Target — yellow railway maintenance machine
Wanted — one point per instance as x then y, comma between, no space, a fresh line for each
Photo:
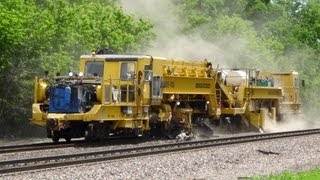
131,95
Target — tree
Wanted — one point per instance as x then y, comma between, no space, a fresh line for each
41,35
308,18
278,35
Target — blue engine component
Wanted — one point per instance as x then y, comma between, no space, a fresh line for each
65,99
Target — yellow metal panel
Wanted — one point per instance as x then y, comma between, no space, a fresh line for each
99,112
188,85
178,68
74,117
40,86
112,70
233,111
91,114
264,93
254,119
227,91
126,124
288,81
259,119
37,115
39,122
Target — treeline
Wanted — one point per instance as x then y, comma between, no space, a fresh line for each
279,35
40,35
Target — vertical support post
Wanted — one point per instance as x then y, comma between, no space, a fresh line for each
273,114
262,118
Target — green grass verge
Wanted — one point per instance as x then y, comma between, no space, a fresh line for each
308,175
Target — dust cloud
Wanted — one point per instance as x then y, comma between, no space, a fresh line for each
291,123
171,43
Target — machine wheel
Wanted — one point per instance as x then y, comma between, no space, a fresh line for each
67,135
169,131
55,137
89,134
68,139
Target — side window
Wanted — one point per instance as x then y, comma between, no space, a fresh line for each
156,87
94,68
147,73
127,71
127,93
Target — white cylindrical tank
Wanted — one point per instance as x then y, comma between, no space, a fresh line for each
235,78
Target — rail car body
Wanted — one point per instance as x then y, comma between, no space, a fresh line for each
139,94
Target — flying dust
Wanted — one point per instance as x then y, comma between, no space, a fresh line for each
291,123
171,43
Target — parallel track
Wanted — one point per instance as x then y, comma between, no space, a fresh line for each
81,158
35,147
74,143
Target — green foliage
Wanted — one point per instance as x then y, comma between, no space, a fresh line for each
39,35
279,35
310,175
199,12
308,19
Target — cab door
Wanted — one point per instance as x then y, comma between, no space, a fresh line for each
128,82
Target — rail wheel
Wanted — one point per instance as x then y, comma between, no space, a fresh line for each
55,136
89,133
68,139
170,130
66,134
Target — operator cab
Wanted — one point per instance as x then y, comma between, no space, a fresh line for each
118,75
93,68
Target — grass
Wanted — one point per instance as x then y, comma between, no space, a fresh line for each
308,175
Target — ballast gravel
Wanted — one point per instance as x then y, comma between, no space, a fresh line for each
79,149
223,162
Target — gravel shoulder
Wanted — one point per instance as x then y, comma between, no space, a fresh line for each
224,162
17,141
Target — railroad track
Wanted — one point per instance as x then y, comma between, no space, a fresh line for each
75,143
35,147
18,165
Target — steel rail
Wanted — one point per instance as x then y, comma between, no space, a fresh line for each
36,146
51,145
81,158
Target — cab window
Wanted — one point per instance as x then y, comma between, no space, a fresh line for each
127,71
94,68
